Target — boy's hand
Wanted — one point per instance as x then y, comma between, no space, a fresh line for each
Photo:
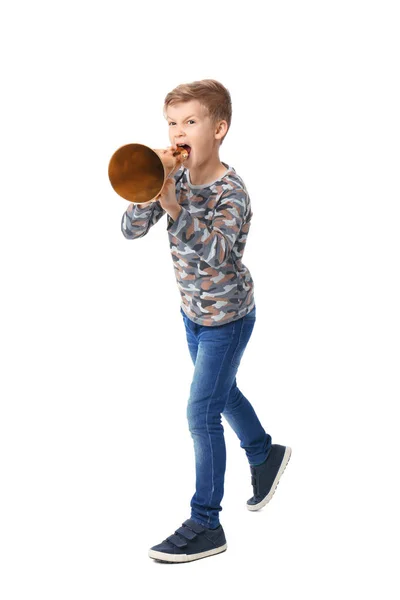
167,198
173,163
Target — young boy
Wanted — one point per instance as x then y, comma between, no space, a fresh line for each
208,220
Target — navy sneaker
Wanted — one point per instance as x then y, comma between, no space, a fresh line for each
265,477
190,542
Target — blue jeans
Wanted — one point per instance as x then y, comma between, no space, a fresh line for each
216,353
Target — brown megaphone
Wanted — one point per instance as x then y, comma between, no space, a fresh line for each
138,173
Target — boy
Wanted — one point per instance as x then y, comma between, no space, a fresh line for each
208,220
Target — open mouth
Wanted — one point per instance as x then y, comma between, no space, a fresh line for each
187,148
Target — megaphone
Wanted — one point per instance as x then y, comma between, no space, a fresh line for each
138,173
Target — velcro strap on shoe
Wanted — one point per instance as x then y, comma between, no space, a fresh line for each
254,483
194,526
186,533
177,541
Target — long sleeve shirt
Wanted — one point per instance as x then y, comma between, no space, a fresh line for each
207,242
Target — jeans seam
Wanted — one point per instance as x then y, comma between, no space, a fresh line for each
238,344
209,437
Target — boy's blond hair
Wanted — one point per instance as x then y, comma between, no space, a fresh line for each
211,94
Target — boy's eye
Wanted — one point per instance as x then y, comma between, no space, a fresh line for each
190,121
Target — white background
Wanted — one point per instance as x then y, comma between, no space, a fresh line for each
97,462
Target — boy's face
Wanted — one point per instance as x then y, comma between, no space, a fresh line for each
189,123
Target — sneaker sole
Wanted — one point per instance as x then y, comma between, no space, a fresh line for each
264,501
181,558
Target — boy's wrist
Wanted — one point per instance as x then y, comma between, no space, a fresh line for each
175,212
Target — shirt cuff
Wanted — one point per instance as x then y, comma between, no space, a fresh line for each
141,208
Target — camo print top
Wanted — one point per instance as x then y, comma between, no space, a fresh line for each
207,243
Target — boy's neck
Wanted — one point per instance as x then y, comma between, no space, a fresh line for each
207,173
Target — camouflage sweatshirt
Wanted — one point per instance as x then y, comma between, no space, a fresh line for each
207,243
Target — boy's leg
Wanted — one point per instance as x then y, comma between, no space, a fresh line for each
216,353
241,416
238,411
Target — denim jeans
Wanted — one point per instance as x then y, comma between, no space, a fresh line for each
216,353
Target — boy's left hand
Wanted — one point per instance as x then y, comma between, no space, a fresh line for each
167,198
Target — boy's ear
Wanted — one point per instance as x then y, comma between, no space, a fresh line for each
221,128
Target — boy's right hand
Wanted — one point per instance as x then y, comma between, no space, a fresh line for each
178,163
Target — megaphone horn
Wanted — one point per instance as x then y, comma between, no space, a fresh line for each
138,173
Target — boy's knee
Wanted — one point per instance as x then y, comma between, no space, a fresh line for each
202,419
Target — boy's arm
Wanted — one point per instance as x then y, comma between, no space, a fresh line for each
214,244
138,218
